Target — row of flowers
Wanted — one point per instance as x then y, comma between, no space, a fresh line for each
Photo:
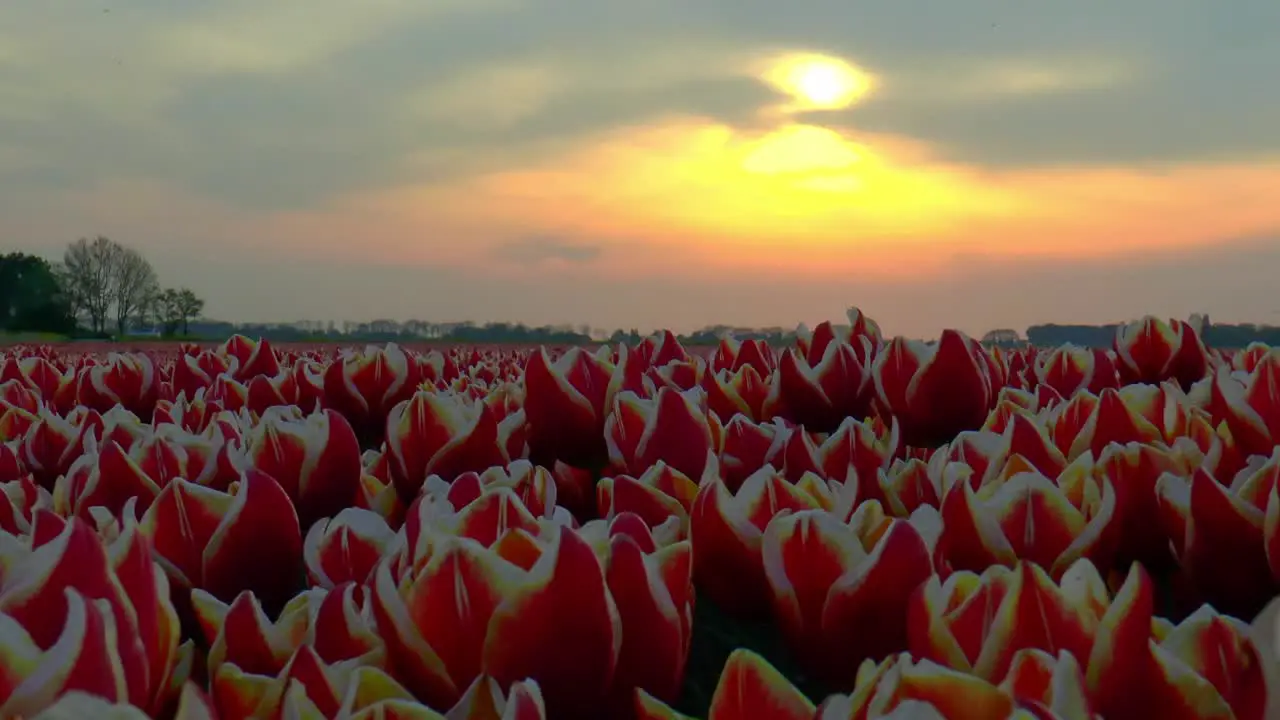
241,532
934,390
479,603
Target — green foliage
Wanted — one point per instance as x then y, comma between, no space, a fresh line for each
31,297
715,636
174,308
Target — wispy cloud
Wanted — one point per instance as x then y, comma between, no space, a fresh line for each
1029,77
544,248
243,36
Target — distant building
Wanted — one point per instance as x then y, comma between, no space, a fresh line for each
1003,337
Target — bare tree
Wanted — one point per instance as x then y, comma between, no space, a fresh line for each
87,273
176,307
133,285
189,306
106,280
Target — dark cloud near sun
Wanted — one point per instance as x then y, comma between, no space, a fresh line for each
543,248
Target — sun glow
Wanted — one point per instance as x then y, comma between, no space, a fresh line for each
788,182
819,82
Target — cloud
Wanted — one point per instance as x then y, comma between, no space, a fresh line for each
1031,77
541,249
807,199
244,36
394,138
502,93
232,100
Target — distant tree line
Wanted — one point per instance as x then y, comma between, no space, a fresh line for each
468,333
495,333
1218,335
100,287
776,337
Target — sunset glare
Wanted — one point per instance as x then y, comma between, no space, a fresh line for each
819,82
666,165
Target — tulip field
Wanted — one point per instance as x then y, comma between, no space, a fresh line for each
853,527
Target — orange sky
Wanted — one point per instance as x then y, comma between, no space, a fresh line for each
672,173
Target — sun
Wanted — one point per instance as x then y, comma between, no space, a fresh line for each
819,82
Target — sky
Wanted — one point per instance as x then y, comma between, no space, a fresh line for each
658,163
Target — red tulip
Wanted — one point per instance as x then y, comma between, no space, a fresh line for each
54,385
1028,516
1143,414
733,355
1250,406
365,386
14,424
1152,351
471,611
1069,369
79,613
658,494
671,427
1039,685
976,624
212,458
128,380
567,401
813,345
934,390
11,467
191,414
1133,470
325,641
652,588
106,478
1205,667
123,427
840,590
193,374
747,446
267,391
252,357
18,501
680,374
661,348
857,452
445,435
904,488
727,529
229,393
52,444
729,394
821,392
346,548
534,486
1225,536
315,458
244,539
17,394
